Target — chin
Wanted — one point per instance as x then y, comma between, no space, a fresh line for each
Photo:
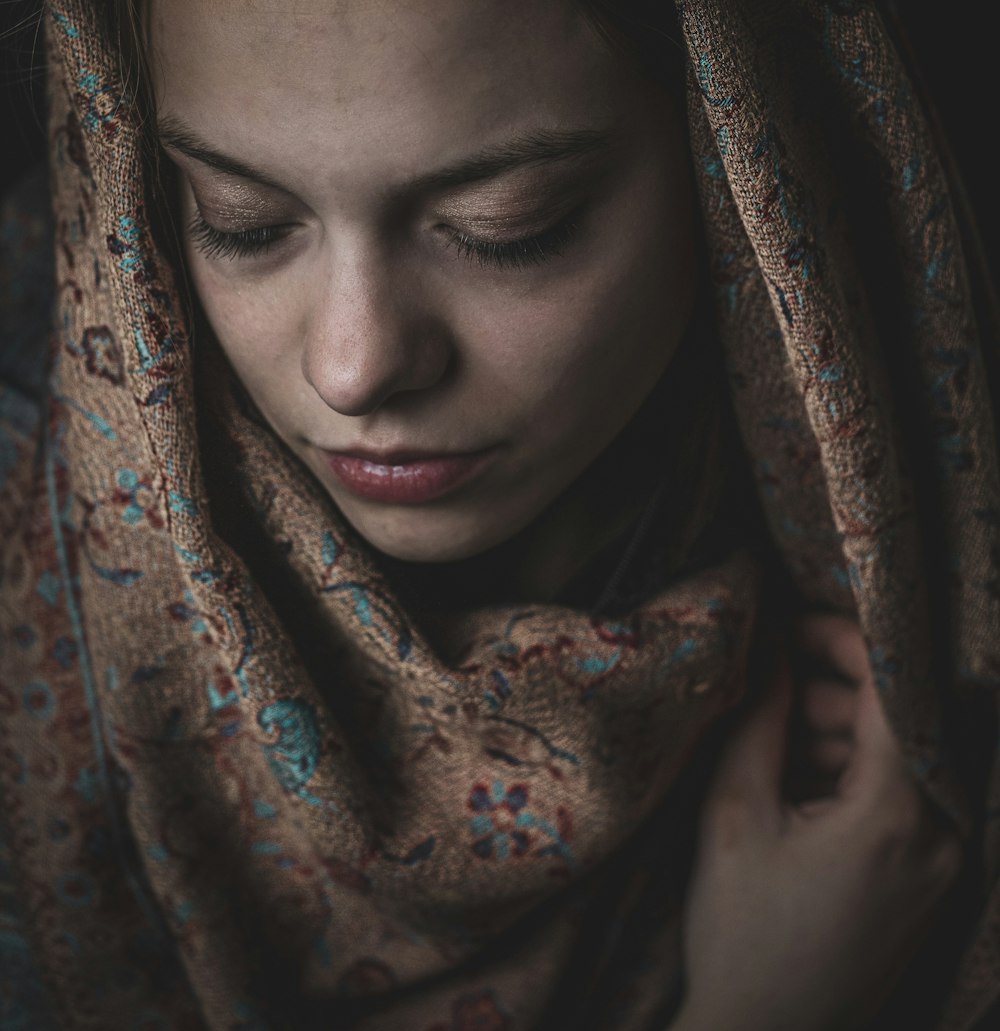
430,548
429,536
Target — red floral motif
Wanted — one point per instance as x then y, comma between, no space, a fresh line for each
478,1011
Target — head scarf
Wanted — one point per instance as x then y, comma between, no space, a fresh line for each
242,789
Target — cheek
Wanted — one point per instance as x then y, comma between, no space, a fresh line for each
581,358
258,325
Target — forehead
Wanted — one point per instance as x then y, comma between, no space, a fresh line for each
413,77
411,82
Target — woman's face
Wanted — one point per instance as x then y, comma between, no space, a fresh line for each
446,244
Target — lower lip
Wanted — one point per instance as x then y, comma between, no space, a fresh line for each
410,483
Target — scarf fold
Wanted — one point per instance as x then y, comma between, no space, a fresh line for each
248,792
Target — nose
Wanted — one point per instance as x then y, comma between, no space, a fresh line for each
372,334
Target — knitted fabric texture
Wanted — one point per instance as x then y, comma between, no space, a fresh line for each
207,823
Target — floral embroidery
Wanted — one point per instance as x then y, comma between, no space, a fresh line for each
503,826
477,1011
138,499
102,355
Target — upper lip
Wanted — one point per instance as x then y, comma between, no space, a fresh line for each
401,456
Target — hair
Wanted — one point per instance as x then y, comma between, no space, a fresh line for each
647,31
124,27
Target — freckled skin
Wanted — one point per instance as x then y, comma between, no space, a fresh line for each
366,327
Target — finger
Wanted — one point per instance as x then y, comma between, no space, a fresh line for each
877,760
837,641
754,757
872,731
875,764
829,706
829,754
815,767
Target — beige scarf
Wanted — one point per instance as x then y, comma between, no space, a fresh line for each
218,815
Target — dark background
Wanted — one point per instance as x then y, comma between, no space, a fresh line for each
22,89
953,44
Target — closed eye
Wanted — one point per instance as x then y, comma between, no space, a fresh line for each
518,254
508,254
245,243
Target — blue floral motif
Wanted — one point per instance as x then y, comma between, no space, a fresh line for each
103,105
49,586
375,610
65,651
25,635
138,499
503,826
330,549
295,754
39,700
66,25
495,821
186,611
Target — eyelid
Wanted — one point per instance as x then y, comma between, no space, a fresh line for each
527,248
226,191
243,243
521,252
528,200
511,220
230,216
234,207
500,231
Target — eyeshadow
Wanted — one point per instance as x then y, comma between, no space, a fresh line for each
525,200
230,204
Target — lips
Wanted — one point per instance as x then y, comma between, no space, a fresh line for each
405,478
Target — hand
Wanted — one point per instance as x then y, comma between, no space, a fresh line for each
800,916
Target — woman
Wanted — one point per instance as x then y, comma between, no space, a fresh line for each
375,611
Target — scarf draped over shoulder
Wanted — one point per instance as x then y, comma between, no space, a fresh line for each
245,791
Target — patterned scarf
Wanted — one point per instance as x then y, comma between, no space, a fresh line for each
240,786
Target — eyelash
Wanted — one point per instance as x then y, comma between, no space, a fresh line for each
247,243
517,254
513,254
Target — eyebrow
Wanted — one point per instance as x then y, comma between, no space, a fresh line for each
539,146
